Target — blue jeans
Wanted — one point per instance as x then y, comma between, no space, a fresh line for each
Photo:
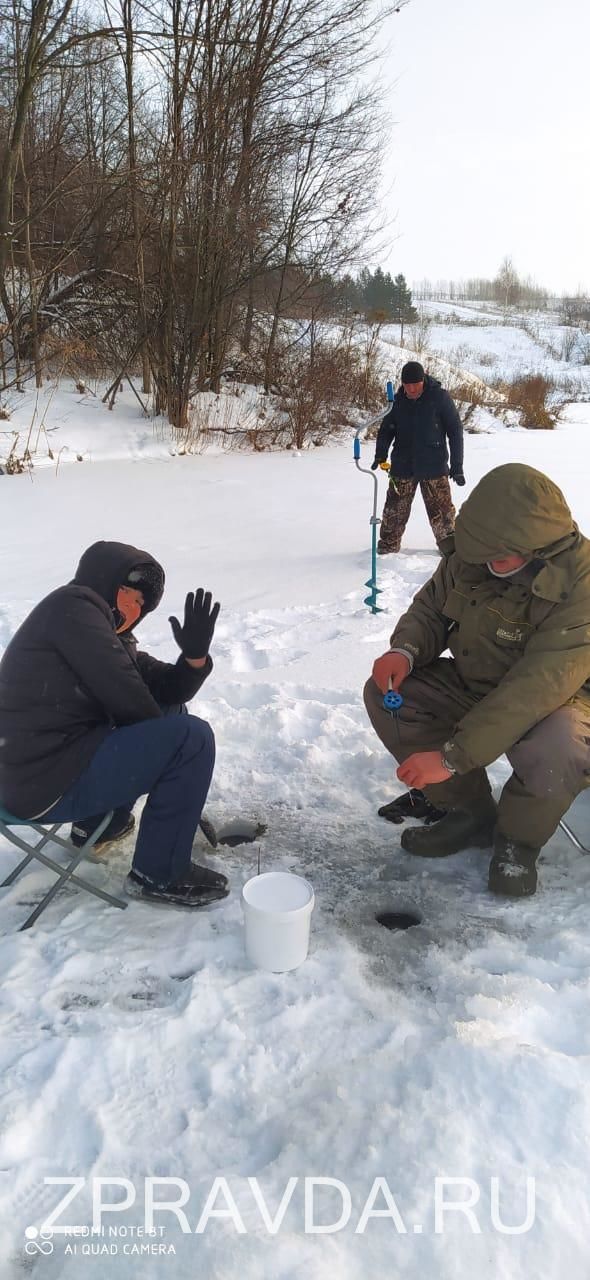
171,761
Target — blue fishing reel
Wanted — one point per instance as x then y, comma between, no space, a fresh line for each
392,700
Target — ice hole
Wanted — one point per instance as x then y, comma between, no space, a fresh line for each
398,919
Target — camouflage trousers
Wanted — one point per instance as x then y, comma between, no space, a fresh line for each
551,762
398,503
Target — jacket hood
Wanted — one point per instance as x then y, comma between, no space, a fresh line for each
517,509
105,566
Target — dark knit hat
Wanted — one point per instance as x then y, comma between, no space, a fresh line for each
149,579
412,372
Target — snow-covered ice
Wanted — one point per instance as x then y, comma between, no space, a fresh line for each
142,1044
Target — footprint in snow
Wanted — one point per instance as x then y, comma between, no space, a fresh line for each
78,1000
151,994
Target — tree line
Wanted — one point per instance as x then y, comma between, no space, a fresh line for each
508,289
377,296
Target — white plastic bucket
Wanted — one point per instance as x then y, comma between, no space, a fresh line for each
277,918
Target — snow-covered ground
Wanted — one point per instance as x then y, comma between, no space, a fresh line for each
142,1044
58,424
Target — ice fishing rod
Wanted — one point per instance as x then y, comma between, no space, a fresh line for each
392,703
375,521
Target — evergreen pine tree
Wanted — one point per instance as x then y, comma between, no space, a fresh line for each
404,311
377,295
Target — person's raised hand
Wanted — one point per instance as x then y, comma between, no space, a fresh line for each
196,633
392,667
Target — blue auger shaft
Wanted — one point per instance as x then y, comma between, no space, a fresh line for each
374,590
371,599
374,554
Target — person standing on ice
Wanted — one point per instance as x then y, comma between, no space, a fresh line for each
422,418
88,723
513,606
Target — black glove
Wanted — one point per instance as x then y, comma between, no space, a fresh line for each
194,637
458,477
375,464
412,804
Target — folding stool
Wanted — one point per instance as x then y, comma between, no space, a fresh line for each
64,873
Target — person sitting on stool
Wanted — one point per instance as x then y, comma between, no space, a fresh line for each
87,721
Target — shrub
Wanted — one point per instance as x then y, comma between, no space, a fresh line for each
311,404
469,396
569,342
533,397
584,348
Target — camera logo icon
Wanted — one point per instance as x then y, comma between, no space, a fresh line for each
38,1241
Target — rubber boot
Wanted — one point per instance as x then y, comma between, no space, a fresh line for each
513,871
460,829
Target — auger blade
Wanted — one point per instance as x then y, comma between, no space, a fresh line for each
371,601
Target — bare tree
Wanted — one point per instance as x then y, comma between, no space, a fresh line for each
40,38
507,284
166,172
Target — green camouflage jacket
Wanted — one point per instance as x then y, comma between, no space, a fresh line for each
520,644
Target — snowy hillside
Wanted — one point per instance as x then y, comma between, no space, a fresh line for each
142,1044
480,339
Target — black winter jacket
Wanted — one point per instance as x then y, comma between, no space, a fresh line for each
67,679
419,430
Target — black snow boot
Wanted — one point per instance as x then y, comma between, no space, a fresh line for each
413,804
197,887
122,822
513,870
458,830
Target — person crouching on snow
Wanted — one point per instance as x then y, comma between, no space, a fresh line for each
87,721
513,606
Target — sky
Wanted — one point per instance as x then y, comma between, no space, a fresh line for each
488,149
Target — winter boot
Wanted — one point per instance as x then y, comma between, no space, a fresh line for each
413,804
513,870
458,830
122,822
197,887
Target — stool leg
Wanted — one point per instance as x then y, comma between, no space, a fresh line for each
21,844
68,874
50,895
17,870
63,873
33,852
